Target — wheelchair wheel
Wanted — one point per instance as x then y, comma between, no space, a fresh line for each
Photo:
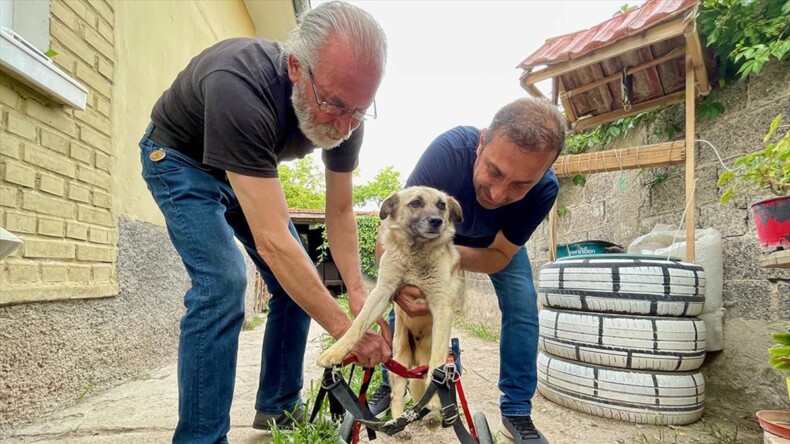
484,435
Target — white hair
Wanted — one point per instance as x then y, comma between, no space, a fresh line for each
337,19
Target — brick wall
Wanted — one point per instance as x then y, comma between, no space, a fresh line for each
55,166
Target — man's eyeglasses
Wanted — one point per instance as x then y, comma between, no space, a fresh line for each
340,110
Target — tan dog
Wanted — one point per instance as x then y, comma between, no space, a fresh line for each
419,225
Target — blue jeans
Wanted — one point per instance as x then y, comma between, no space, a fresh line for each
518,345
203,219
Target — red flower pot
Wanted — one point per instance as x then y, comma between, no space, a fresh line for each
772,217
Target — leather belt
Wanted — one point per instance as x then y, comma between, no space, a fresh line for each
162,137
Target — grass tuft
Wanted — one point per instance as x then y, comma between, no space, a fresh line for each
251,324
477,329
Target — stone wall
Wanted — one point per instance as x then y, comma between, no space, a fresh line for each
621,206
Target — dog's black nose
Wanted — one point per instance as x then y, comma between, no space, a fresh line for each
435,221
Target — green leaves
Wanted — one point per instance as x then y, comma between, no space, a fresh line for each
746,34
781,337
367,231
780,352
601,136
709,109
386,182
303,183
763,170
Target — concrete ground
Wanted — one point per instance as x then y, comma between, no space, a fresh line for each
145,410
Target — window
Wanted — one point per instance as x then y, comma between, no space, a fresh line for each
24,38
27,18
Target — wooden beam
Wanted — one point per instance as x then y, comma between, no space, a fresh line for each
593,121
532,89
653,35
674,54
694,48
555,91
691,207
567,105
659,154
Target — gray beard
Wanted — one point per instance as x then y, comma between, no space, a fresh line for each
323,135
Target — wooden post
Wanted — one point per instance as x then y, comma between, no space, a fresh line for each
553,232
690,154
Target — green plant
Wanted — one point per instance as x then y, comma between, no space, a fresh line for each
251,324
386,182
723,435
708,108
780,352
745,34
367,231
86,391
654,177
598,138
477,329
143,375
767,169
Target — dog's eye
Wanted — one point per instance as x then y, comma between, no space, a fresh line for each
441,205
416,203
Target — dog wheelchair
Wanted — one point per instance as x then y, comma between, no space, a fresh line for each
352,411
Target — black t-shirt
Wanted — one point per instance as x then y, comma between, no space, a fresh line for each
448,165
230,108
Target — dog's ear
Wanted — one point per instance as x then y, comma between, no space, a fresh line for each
389,206
456,214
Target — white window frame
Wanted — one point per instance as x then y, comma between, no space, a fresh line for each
24,38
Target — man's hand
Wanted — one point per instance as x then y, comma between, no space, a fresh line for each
371,350
411,300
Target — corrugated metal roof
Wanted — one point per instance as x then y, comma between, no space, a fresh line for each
637,20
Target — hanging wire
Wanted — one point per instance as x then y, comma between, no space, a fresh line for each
715,151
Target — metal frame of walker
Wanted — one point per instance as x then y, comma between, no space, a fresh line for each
353,412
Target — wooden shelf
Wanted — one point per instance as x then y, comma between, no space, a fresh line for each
777,259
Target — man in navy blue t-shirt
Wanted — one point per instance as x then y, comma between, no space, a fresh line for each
502,178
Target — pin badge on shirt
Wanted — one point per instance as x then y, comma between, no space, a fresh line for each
157,155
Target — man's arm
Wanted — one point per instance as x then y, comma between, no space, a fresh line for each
341,231
488,260
264,206
282,253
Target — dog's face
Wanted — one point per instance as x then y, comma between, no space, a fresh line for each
427,212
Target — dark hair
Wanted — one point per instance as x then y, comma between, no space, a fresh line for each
531,124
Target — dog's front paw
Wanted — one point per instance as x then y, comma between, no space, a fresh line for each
432,420
403,436
331,357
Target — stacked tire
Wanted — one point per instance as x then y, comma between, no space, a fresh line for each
619,337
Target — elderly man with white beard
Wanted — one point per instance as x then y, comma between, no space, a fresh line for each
209,158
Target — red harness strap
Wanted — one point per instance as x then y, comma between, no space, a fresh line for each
395,367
